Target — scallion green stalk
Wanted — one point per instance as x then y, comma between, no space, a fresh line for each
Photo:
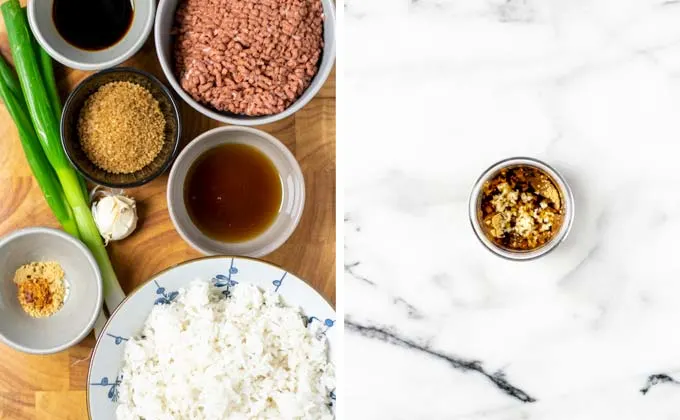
42,171
46,125
50,82
9,77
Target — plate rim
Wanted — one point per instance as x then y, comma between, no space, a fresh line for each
160,273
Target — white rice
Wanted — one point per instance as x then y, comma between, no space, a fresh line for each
244,357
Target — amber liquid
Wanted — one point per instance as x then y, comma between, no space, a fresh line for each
233,193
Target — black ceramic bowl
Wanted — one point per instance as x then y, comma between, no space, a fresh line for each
71,141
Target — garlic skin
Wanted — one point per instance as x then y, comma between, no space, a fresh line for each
115,216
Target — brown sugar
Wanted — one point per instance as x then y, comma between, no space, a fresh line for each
40,288
521,208
121,127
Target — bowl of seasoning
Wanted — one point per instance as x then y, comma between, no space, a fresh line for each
50,290
236,191
91,34
521,208
121,127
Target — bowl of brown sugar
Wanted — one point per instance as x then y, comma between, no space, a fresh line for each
121,128
521,208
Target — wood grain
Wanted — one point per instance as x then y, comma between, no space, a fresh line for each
68,405
53,387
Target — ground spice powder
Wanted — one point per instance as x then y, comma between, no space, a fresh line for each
121,127
40,288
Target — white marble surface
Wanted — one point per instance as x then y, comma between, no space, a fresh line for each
434,91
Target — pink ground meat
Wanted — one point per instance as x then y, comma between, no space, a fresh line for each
249,57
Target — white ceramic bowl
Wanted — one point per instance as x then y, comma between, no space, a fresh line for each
292,183
44,30
83,302
163,38
128,320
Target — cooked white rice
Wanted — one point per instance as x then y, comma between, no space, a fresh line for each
206,357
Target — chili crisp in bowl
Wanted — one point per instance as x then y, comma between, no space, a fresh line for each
121,127
521,208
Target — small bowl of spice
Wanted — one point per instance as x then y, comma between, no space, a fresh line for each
121,128
50,290
521,208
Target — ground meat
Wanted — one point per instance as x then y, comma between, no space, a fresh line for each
250,57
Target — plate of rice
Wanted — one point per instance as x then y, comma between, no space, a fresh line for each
216,338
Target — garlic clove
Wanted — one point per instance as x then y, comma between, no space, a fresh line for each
115,217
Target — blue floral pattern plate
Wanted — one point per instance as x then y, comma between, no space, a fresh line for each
224,273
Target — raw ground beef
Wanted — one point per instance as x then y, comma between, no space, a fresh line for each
250,57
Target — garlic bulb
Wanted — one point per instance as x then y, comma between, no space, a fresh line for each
115,216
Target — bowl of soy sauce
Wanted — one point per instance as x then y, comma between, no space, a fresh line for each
91,34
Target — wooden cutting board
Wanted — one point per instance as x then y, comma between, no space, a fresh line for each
53,387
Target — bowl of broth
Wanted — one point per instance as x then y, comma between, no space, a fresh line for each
91,34
236,191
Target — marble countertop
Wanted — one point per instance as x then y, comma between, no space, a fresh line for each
436,326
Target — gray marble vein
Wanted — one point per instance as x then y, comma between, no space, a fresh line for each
434,92
497,378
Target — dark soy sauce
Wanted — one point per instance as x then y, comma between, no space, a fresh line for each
233,192
92,24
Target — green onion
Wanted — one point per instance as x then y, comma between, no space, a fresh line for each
47,72
43,172
9,77
46,126
39,107
51,84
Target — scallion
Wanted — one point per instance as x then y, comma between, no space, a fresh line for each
46,125
42,171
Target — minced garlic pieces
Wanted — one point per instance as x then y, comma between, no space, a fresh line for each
521,208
